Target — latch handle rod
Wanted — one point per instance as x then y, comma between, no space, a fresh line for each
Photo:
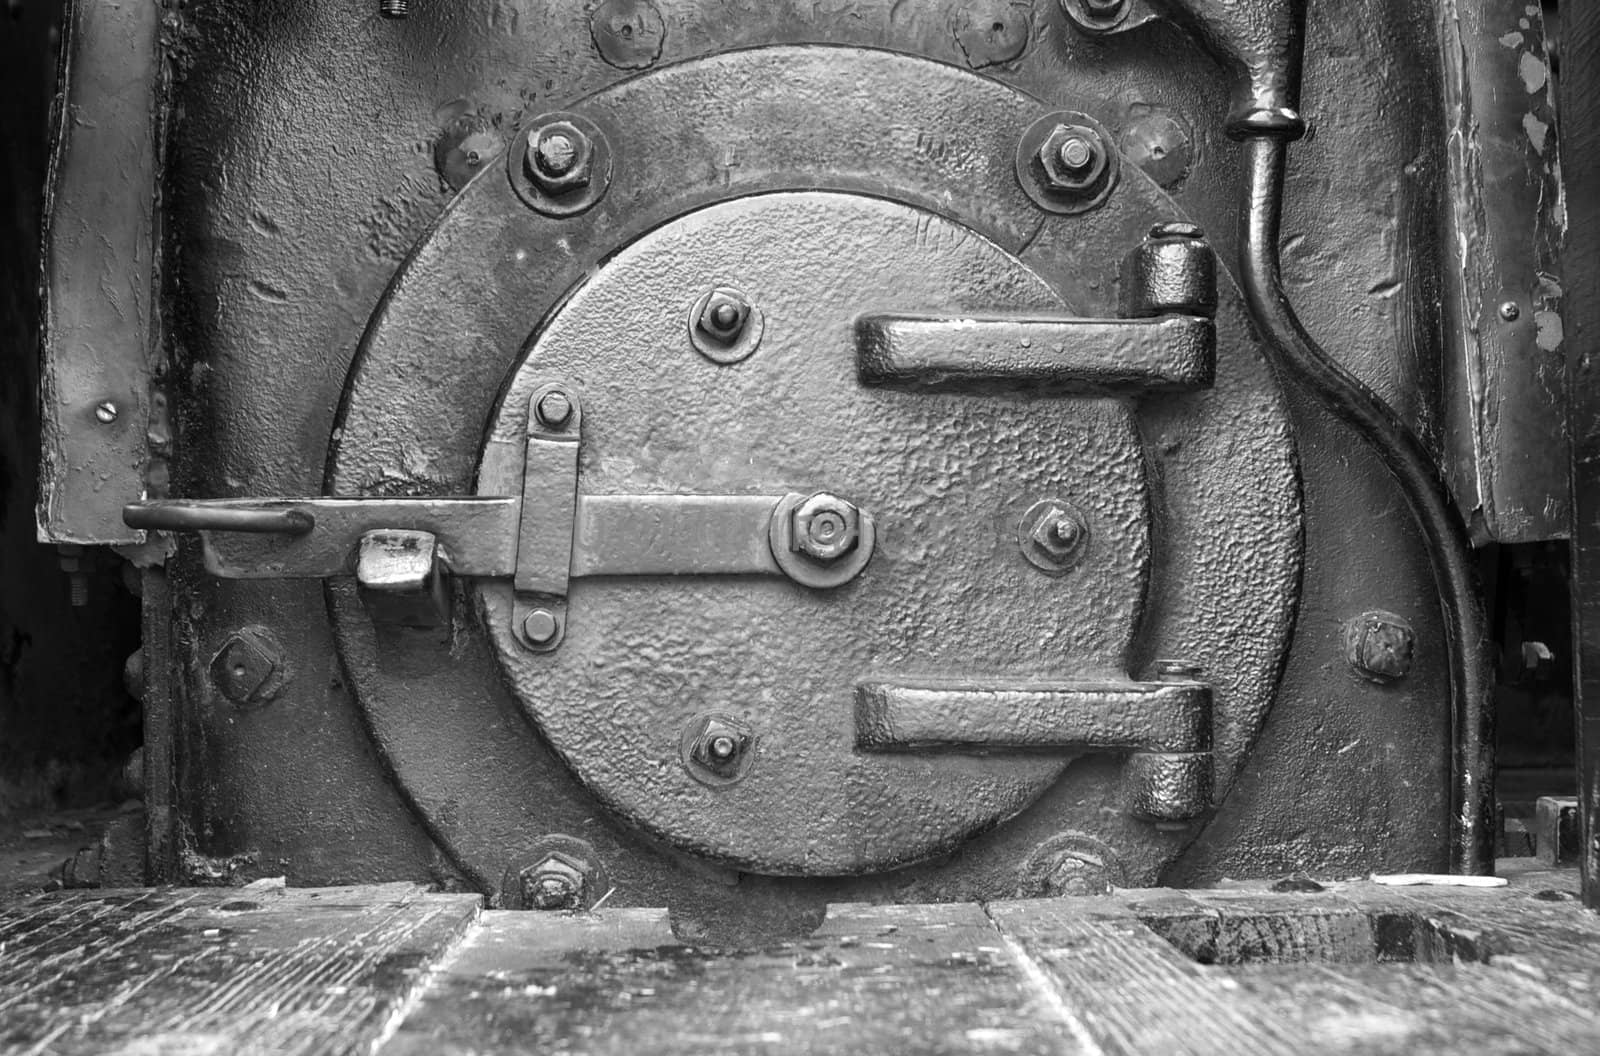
178,515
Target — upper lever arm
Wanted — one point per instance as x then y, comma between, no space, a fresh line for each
1259,41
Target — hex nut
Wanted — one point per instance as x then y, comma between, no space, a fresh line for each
1072,160
724,326
555,882
724,315
826,527
1379,645
560,158
540,626
1071,864
717,748
1053,535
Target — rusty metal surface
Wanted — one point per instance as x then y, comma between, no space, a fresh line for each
1506,386
258,253
100,283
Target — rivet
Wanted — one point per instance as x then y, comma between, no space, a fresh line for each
554,409
540,626
1510,311
106,412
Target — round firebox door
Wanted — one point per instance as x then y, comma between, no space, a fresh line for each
855,517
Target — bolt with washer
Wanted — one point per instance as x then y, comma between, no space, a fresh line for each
724,316
826,527
560,158
556,882
720,746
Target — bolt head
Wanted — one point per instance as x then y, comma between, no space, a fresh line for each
724,316
1071,161
246,670
540,626
560,158
1059,533
554,409
825,527
1379,646
720,746
1076,154
1077,874
555,882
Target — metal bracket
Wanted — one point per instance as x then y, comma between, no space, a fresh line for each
541,540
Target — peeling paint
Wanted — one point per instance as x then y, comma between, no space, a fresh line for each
1534,72
1511,40
1537,131
1548,327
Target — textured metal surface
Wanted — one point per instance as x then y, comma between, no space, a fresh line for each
1501,282
100,278
1059,355
256,254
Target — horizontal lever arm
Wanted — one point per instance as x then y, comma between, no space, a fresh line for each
1071,356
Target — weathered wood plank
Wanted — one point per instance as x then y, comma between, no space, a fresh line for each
254,970
878,979
1133,991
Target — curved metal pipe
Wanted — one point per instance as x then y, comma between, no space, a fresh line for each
1301,361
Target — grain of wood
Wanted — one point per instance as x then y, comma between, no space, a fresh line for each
874,979
217,970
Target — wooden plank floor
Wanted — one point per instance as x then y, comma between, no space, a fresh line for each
217,970
1240,971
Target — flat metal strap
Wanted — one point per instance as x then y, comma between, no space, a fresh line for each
1092,356
671,535
549,502
1089,716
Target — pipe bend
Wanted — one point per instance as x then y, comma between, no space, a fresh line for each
1303,363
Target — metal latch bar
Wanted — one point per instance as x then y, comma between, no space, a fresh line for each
1100,716
1092,356
1164,727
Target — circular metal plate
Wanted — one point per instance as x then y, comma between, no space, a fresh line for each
948,594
